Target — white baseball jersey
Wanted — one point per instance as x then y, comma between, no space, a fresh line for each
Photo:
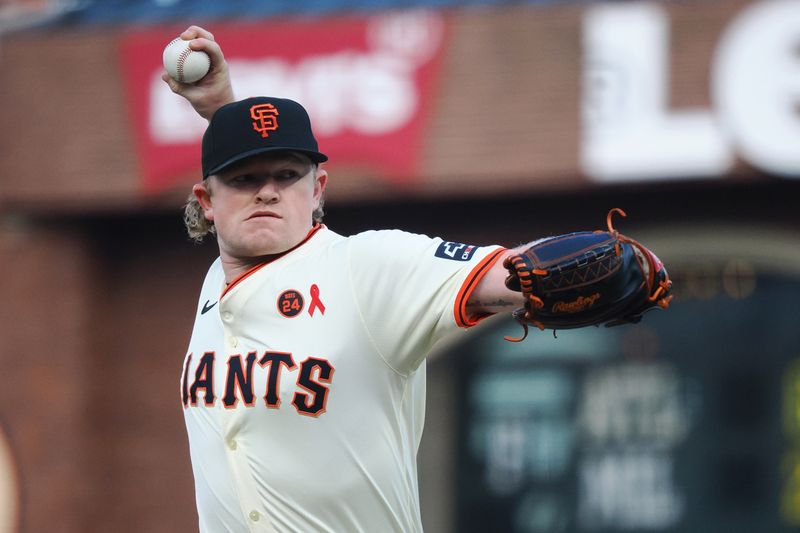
304,383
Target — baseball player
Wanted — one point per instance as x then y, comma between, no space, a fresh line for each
303,387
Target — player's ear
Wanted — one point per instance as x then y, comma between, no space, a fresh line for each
202,192
320,182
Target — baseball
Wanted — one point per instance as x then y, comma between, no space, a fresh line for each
184,64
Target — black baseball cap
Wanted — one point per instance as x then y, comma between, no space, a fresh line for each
256,125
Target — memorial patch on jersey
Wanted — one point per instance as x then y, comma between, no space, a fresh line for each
290,303
316,302
456,251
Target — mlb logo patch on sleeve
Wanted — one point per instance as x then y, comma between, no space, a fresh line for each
456,251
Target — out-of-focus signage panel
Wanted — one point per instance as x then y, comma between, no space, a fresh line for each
688,421
630,130
366,82
608,93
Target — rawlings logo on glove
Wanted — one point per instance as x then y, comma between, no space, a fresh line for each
578,305
586,279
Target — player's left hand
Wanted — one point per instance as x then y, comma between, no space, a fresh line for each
586,278
214,89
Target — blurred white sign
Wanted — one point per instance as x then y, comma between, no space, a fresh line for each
755,85
629,131
625,490
632,416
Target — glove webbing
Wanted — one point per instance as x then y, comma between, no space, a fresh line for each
663,285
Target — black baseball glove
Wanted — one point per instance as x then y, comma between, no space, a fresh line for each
586,278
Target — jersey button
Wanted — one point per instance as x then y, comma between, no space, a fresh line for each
254,516
227,316
232,444
234,342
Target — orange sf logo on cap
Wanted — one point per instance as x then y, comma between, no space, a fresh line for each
264,118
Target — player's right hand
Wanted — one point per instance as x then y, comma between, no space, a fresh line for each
214,89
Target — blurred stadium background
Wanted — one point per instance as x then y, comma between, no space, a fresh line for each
483,121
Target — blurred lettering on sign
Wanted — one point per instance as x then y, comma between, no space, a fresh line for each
631,417
629,131
365,81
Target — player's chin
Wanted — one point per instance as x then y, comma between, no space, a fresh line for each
264,241
255,227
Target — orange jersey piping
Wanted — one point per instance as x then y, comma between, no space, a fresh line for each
463,320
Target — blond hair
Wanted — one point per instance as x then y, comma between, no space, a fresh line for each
198,226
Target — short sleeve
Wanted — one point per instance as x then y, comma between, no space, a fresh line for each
412,289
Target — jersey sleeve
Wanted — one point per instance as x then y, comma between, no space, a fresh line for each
412,289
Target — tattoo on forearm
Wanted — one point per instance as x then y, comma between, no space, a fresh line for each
491,304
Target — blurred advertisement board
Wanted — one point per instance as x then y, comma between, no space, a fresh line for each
509,100
365,81
371,82
632,133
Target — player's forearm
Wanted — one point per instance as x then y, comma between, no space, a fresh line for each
491,294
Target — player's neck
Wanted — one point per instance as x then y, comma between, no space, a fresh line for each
234,267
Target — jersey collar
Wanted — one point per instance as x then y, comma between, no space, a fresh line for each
270,260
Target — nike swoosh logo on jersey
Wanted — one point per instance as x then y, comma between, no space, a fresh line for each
207,308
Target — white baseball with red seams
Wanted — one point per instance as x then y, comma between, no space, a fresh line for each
184,64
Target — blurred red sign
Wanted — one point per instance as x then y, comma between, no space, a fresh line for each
367,83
